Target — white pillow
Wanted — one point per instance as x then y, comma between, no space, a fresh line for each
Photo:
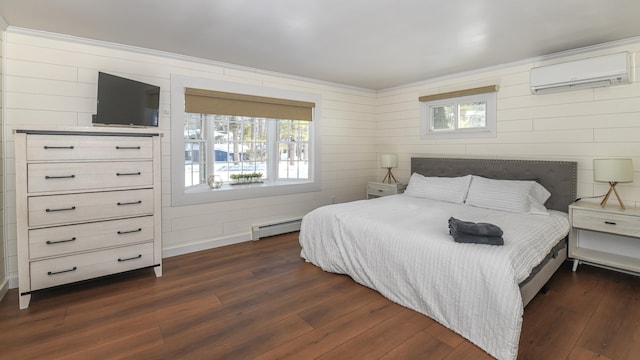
538,195
449,189
538,192
521,196
537,208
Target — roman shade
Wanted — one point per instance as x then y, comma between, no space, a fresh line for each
459,93
224,103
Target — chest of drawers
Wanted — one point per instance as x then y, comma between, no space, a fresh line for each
87,205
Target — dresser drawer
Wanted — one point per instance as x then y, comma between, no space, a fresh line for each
43,177
62,270
73,208
77,147
606,222
61,240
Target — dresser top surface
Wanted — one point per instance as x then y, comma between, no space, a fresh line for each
88,130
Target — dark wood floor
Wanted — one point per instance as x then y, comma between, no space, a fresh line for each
261,301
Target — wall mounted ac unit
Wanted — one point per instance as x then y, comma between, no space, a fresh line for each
598,71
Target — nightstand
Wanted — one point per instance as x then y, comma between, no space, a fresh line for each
607,237
378,189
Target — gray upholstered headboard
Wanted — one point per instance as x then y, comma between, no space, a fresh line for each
559,177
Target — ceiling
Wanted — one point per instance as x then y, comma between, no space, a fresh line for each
372,44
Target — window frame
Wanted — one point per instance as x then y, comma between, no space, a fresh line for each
181,196
489,130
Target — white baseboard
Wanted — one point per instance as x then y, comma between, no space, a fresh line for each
204,245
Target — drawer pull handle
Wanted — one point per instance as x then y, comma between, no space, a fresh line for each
380,190
46,147
128,148
129,231
62,271
610,222
60,177
52,242
128,174
131,258
130,203
63,209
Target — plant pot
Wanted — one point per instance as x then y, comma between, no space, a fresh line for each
214,181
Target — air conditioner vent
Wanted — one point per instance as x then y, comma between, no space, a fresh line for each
607,70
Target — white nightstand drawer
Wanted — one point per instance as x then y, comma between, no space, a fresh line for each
63,270
65,209
381,189
606,222
45,177
378,189
74,147
68,239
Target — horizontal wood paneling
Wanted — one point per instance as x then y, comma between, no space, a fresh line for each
52,80
575,126
4,276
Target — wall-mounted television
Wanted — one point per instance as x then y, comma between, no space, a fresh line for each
126,102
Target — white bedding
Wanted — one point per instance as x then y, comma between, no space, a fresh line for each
400,246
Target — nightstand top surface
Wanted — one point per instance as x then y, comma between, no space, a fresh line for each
610,208
386,183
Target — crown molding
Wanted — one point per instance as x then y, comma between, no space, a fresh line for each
165,54
557,55
3,23
170,55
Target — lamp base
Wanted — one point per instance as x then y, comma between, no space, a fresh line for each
606,197
389,176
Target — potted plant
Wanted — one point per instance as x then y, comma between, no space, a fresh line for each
246,178
255,177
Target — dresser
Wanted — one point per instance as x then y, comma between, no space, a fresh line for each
378,189
608,237
88,204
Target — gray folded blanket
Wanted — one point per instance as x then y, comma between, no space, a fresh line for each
477,233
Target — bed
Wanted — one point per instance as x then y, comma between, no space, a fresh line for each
400,245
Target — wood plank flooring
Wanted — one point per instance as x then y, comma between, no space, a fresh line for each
259,300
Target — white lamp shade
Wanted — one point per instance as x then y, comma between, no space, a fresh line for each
613,170
389,161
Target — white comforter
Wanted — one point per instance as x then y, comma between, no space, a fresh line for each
400,246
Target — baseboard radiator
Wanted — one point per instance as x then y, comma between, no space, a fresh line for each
277,228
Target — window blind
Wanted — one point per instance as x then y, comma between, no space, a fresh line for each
224,103
459,93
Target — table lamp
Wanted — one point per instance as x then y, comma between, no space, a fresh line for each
389,162
613,171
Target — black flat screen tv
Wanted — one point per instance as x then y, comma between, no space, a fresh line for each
126,102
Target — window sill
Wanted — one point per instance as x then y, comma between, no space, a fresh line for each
459,134
204,194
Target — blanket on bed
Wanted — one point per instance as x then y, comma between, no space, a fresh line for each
400,246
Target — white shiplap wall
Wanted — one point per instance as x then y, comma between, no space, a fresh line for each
52,80
3,265
575,126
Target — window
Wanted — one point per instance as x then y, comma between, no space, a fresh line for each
228,130
468,113
223,145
